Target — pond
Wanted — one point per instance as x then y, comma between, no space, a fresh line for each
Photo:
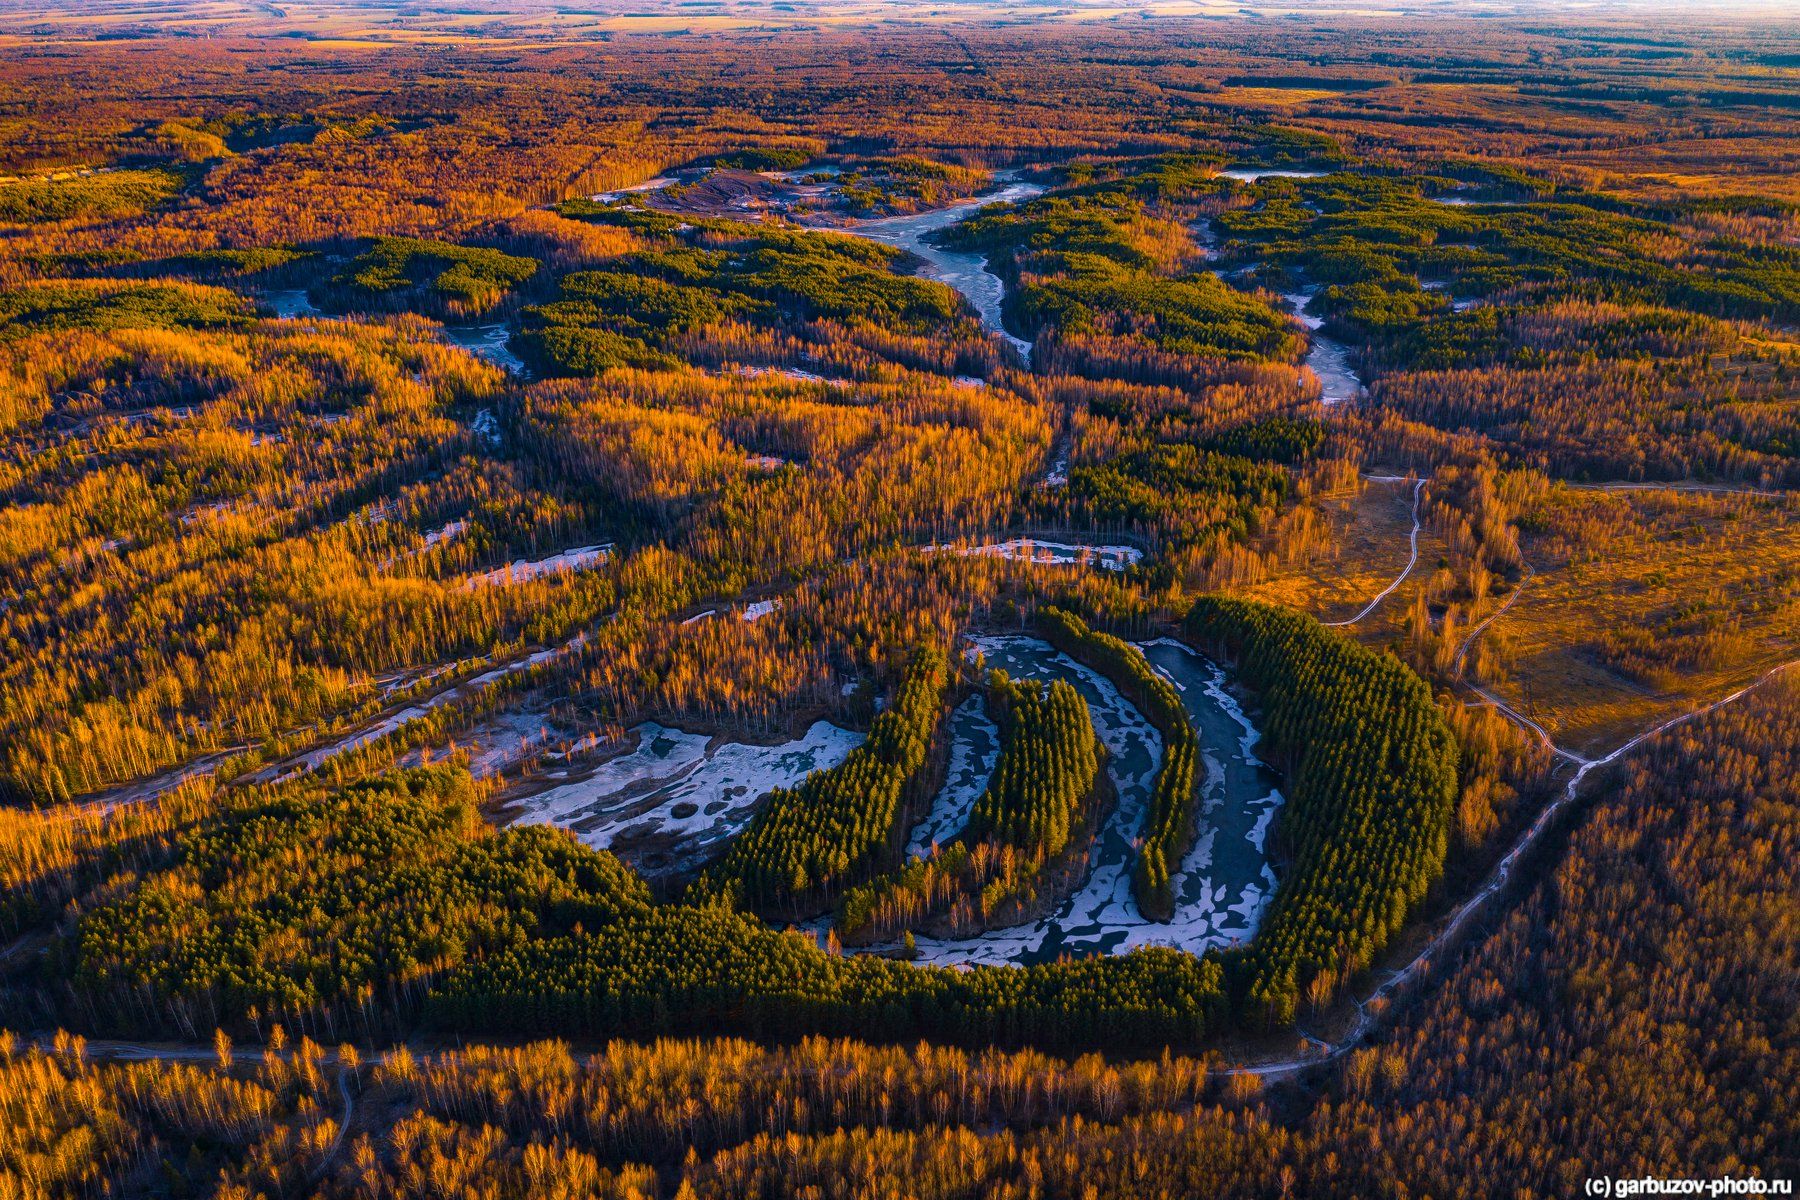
488,341
669,804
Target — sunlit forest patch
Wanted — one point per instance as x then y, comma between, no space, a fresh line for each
720,600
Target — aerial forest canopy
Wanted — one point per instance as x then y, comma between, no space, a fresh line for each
671,604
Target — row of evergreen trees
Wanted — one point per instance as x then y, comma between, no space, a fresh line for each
807,843
1039,804
1371,783
1173,821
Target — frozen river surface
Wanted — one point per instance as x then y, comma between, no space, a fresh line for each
1329,359
962,270
669,804
1225,881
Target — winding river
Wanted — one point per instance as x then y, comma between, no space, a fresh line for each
965,271
1328,358
1225,881
678,797
485,340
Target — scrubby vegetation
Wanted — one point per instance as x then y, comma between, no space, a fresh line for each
461,279
86,197
1650,913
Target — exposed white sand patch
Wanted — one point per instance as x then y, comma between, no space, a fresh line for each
670,802
578,559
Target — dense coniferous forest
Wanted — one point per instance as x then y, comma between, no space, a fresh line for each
895,602
1026,830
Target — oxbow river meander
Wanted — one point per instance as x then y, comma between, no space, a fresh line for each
673,801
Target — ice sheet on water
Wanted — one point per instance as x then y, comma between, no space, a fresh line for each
291,303
974,748
502,741
1225,880
1102,910
1034,550
578,559
490,340
453,529
392,721
1252,174
965,271
649,185
1328,359
680,794
794,373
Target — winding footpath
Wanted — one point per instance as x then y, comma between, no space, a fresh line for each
1462,651
1413,561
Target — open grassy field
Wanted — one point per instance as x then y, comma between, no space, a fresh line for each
1645,602
1366,548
